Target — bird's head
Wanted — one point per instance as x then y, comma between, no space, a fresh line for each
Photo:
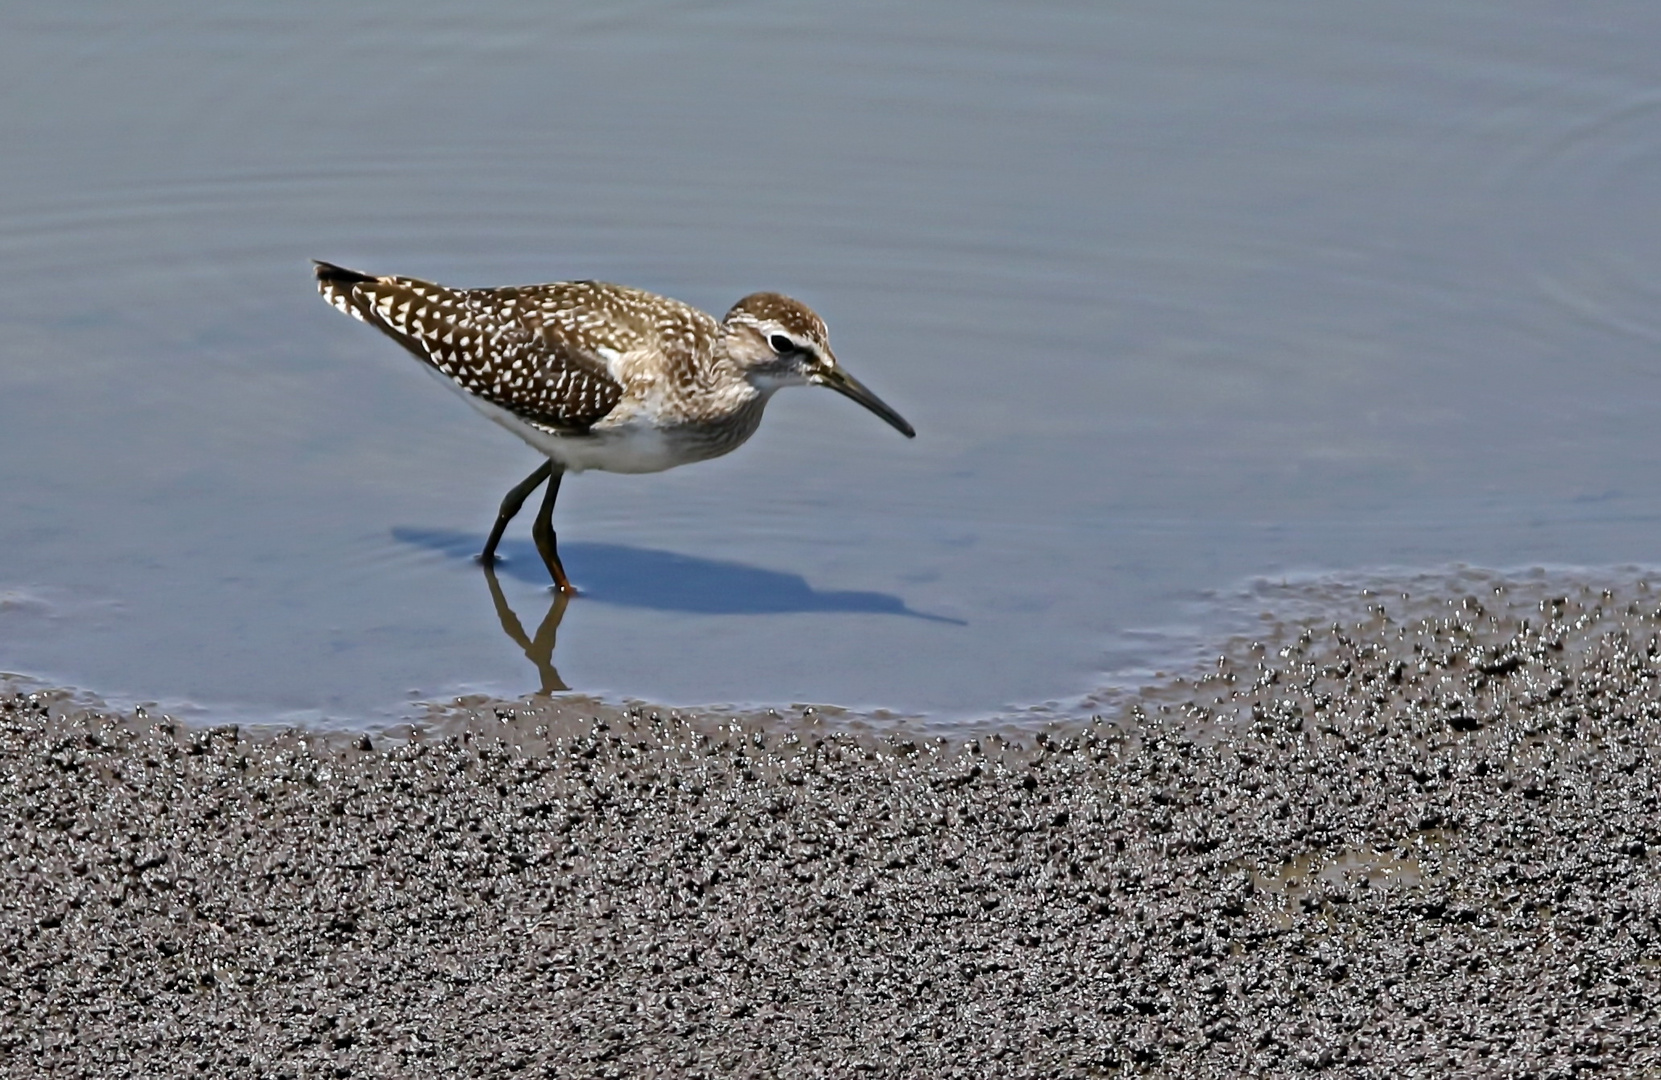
777,341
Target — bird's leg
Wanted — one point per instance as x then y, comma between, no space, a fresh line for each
510,506
542,531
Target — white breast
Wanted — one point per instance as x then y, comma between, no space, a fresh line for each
632,446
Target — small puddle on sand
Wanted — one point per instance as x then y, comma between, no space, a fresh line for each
1306,881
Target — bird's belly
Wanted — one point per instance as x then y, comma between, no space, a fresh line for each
626,449
633,446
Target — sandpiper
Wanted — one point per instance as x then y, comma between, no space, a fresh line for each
598,376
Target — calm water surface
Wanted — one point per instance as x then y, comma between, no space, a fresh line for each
1177,294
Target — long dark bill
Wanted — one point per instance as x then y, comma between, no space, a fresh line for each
850,387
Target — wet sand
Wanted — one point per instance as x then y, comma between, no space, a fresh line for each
1415,846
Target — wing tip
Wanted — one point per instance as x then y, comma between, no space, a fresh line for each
338,286
329,273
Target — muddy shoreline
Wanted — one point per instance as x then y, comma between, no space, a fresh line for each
1384,845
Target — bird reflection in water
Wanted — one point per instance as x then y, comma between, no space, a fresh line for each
539,650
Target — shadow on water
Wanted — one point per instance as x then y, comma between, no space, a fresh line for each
667,581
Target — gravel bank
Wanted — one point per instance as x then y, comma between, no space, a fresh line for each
1418,848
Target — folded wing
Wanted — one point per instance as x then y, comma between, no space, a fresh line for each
493,342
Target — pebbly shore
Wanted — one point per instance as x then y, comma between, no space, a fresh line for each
1379,847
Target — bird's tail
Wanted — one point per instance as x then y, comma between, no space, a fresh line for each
337,284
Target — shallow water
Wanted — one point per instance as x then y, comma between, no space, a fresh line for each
1176,296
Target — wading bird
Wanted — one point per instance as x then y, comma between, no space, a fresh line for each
598,376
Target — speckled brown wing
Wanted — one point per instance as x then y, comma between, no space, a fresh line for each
497,344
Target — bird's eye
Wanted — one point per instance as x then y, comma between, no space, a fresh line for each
781,344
